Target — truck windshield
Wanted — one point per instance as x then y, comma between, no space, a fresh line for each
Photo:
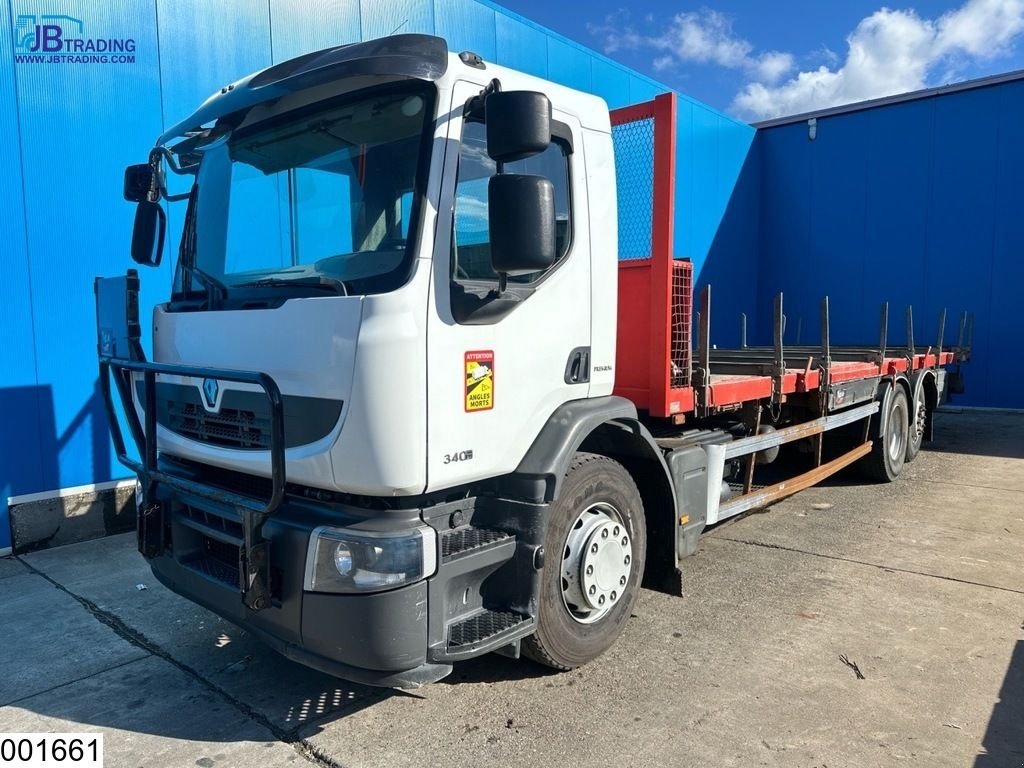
321,197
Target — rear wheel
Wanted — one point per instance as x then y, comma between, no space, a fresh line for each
918,422
889,452
596,543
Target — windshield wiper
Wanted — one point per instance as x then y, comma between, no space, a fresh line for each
209,282
322,282
187,253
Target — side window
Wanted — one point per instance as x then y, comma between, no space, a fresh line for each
471,247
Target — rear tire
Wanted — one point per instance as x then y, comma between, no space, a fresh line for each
596,542
889,452
918,417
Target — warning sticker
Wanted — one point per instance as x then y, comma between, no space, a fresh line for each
479,381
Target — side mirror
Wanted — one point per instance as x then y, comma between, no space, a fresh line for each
522,223
518,124
148,234
139,182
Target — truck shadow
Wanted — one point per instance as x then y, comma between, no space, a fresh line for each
1003,742
36,456
493,668
979,433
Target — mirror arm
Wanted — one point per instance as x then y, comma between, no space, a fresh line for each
163,153
475,104
172,160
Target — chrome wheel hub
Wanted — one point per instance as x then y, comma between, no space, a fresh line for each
919,421
897,430
596,563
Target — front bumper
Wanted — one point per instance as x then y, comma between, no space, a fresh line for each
378,639
404,637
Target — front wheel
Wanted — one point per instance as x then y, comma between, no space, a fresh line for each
596,542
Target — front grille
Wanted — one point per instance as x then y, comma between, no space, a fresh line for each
231,427
231,527
216,560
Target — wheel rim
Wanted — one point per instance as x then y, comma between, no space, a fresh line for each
897,434
597,560
920,417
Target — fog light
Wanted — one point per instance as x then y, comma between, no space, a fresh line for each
343,559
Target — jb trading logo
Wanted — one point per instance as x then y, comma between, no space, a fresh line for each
58,39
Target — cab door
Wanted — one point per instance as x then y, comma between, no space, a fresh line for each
500,362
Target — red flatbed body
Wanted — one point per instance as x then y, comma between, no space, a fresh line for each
656,366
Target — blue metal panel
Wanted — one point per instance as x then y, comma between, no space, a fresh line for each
568,65
896,227
1003,319
813,223
467,26
520,45
642,89
610,82
836,193
380,18
21,457
197,59
74,141
785,216
686,160
200,51
724,237
301,26
904,203
961,222
702,147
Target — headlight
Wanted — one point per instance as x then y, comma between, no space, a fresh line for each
346,560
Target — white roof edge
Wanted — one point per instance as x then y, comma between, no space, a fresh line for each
925,93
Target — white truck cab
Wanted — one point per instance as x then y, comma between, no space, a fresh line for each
348,224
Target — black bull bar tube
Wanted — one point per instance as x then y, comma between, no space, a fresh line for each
254,558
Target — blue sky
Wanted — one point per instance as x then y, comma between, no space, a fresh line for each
759,59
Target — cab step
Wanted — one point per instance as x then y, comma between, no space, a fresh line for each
487,631
462,542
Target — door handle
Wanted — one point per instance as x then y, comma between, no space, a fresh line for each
577,369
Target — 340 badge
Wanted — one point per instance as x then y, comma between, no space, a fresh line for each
479,380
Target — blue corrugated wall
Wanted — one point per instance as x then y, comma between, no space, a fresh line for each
70,129
917,202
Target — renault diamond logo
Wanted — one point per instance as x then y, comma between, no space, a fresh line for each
210,388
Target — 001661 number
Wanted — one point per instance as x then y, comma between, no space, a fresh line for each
36,750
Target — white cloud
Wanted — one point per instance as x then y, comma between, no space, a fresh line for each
662,63
706,37
698,37
890,52
773,66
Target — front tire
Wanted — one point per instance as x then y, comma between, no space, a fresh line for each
596,542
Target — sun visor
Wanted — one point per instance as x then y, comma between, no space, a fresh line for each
421,57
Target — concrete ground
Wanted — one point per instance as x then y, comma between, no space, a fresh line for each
918,584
